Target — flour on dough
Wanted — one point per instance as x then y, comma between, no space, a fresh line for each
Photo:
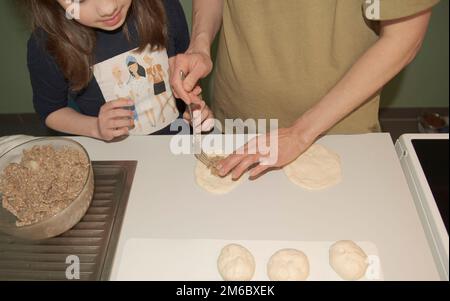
348,260
288,265
212,183
236,263
315,169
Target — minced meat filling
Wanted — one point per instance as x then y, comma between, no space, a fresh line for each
45,182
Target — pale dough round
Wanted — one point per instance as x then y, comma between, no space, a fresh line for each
214,184
315,169
348,260
288,265
236,263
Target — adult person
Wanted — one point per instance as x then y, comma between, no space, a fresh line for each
316,66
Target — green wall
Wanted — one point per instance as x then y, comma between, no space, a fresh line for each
423,84
187,5
14,79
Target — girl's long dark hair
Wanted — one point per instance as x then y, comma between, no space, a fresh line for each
72,44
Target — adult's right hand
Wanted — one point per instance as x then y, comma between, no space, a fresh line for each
195,66
114,120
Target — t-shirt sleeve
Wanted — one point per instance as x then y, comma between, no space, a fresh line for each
178,32
395,9
50,88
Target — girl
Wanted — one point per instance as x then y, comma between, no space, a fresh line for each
81,56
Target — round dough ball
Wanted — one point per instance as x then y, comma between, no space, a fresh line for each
212,183
236,263
315,169
348,260
288,265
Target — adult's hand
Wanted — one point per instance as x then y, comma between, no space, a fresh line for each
195,66
291,144
205,121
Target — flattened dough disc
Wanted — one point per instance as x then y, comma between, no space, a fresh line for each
315,169
214,184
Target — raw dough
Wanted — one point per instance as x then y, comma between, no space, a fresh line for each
212,183
348,260
236,263
288,265
317,168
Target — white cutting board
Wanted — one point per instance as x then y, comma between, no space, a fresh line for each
371,204
196,259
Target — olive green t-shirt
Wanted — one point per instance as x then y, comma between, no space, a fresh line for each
277,58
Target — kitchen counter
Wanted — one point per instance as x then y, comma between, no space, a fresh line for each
372,203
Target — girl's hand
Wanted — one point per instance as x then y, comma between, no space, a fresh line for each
205,115
114,119
291,144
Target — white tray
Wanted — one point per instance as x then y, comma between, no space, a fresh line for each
196,259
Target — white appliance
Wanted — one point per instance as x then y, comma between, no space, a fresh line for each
424,159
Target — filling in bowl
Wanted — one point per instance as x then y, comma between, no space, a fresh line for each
44,183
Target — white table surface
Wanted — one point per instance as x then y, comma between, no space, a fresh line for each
372,203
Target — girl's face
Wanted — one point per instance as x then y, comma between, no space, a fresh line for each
102,14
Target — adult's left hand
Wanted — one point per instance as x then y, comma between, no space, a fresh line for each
291,144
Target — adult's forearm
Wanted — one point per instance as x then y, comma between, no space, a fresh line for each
396,48
69,121
206,22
